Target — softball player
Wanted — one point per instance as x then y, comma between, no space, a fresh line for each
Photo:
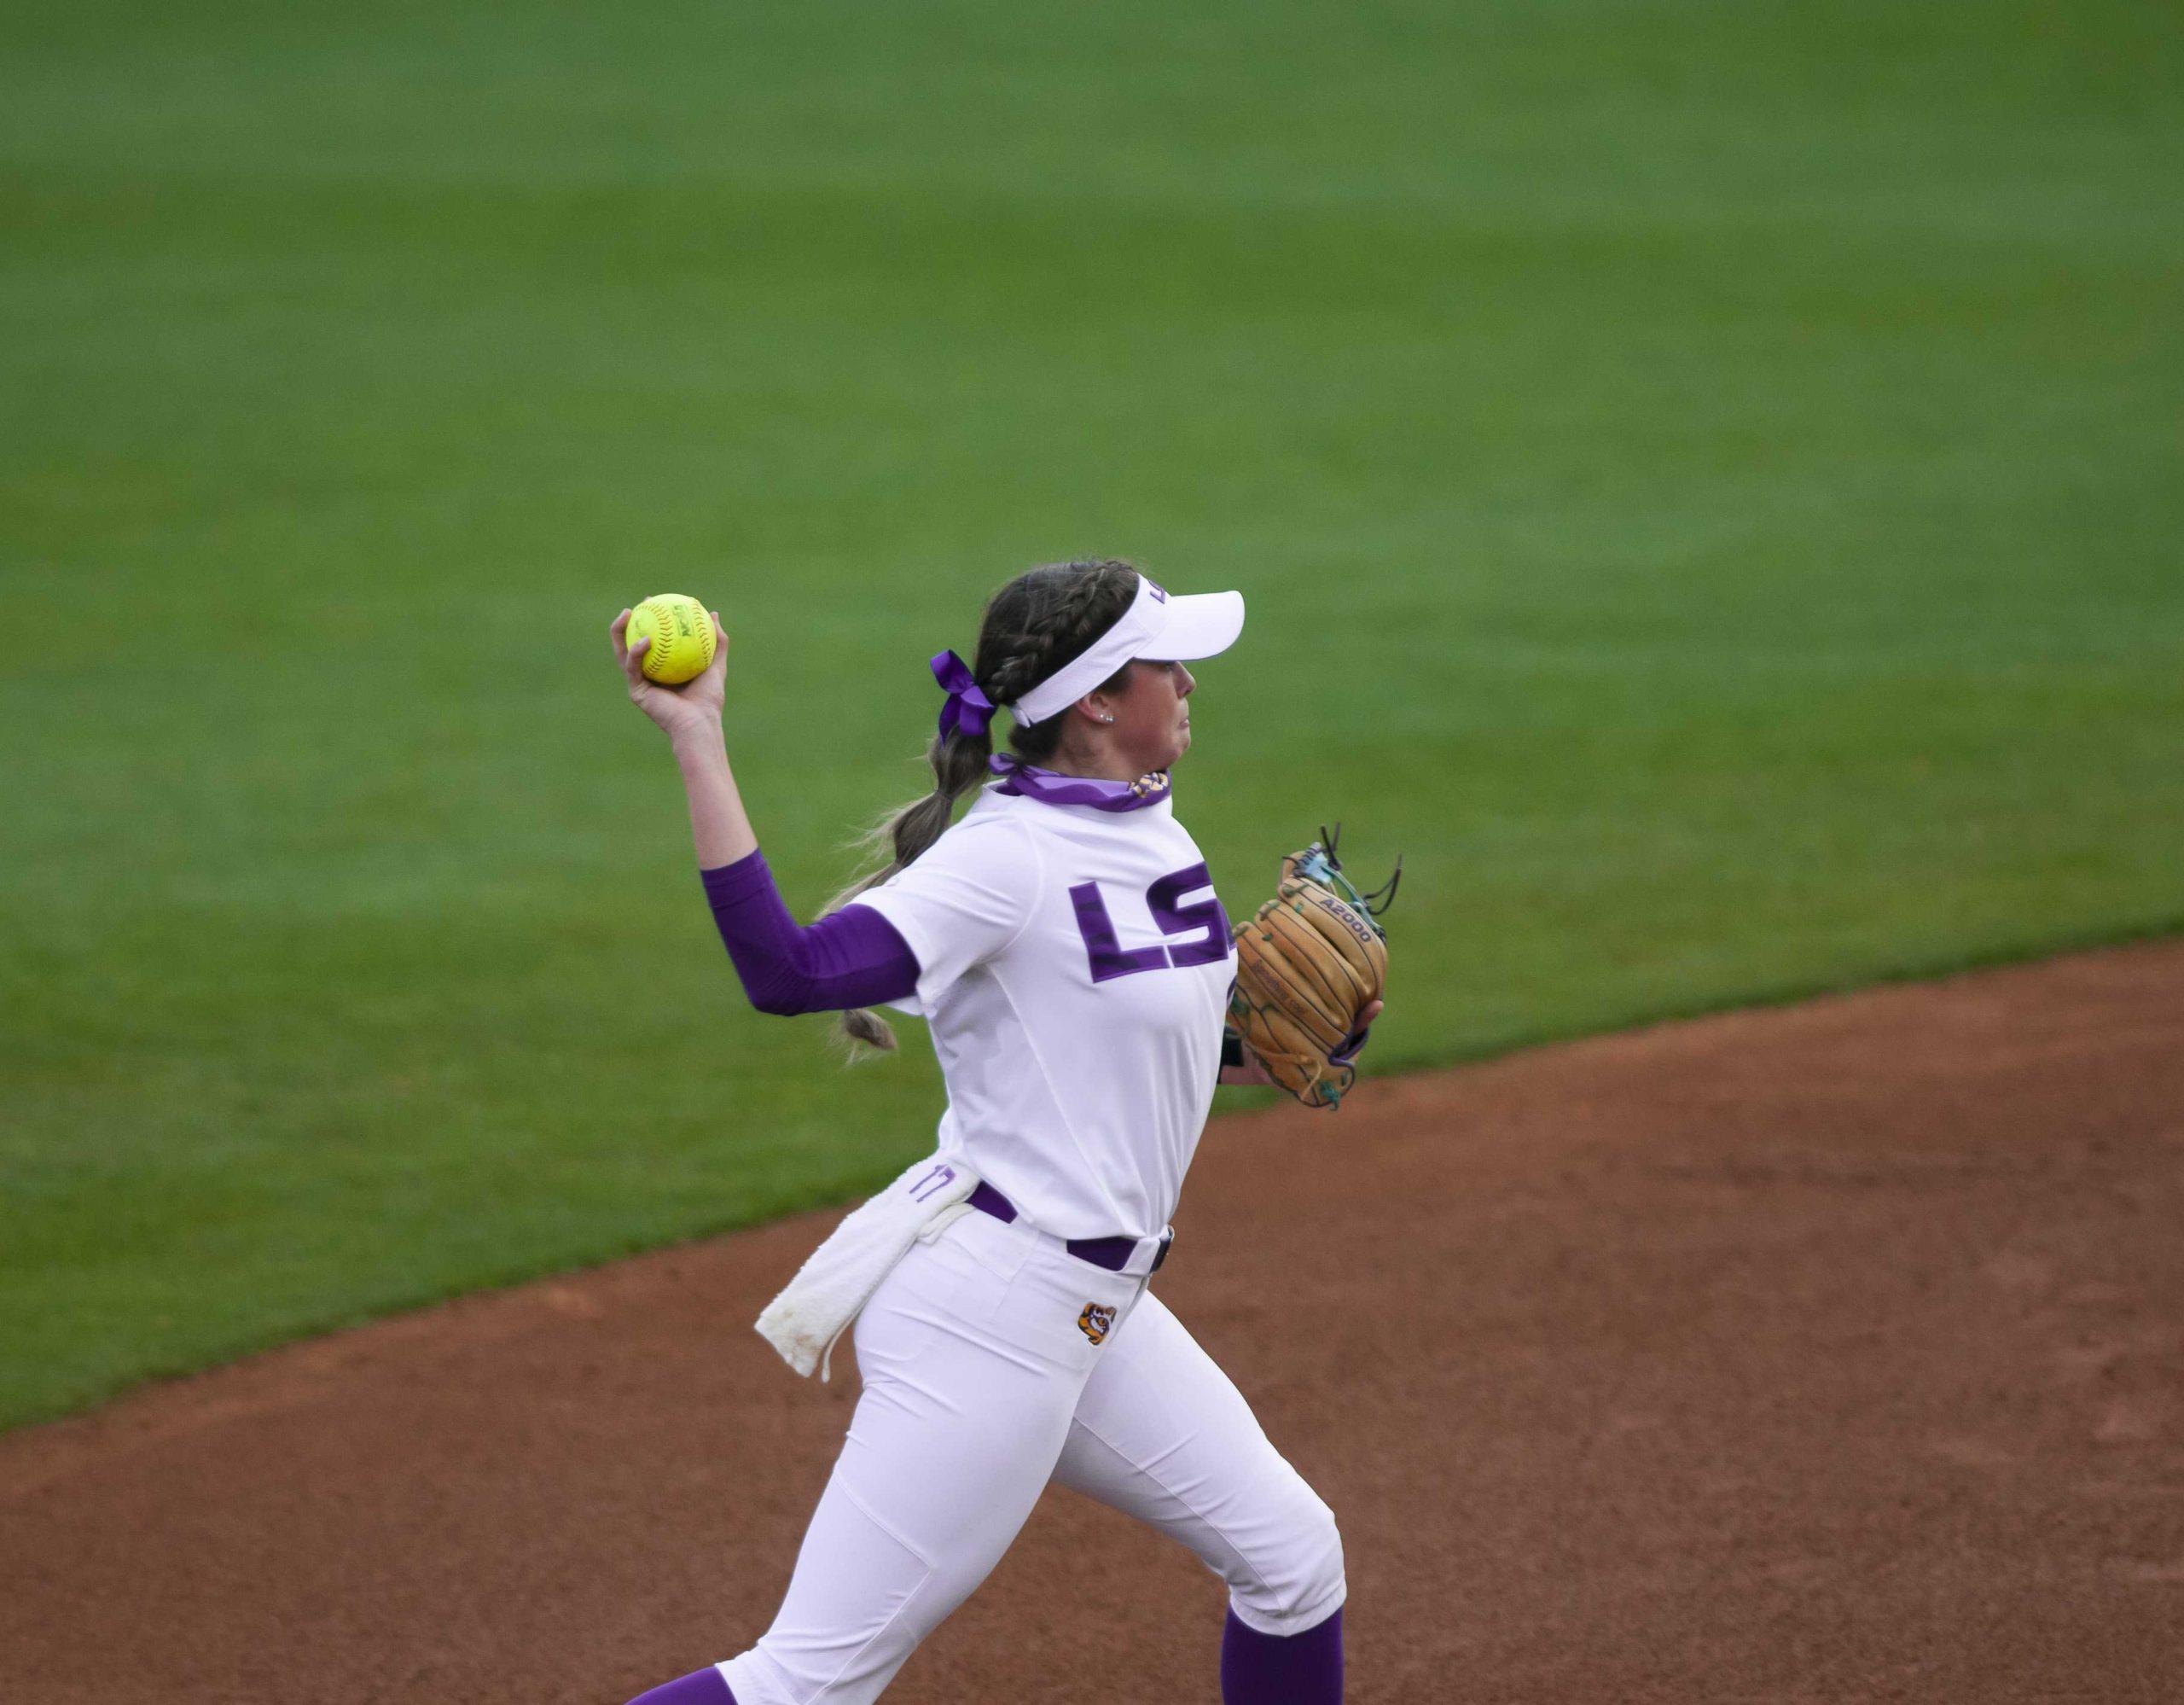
1064,942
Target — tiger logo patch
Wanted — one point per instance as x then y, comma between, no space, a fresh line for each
1096,1321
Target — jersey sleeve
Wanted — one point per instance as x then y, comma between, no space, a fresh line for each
962,902
850,958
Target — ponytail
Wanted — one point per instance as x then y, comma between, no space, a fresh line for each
904,835
1043,619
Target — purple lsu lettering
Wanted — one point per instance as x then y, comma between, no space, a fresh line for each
1203,920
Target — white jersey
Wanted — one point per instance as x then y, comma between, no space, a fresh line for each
1074,965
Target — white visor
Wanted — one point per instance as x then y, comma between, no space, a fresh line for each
1158,625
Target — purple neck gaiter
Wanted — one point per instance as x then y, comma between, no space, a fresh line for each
1051,787
1268,1669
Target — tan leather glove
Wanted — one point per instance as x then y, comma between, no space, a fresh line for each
1308,963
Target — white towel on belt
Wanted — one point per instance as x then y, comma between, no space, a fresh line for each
832,1287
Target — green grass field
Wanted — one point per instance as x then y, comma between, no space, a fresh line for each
1706,480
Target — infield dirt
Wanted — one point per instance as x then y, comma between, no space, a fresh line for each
1830,1352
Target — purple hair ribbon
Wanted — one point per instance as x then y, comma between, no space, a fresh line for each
968,708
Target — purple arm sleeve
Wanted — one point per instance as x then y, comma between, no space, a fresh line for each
850,958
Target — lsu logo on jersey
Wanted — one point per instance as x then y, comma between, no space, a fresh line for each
1096,1321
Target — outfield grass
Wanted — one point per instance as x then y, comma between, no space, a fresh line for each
1705,479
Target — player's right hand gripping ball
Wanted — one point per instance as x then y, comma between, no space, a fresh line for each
681,635
1307,964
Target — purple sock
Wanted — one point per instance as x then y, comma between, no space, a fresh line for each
1269,1669
701,1687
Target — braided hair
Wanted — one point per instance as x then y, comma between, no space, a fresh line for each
1045,618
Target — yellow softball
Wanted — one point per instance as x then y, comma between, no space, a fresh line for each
681,635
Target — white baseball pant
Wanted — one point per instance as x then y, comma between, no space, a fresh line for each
980,1386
